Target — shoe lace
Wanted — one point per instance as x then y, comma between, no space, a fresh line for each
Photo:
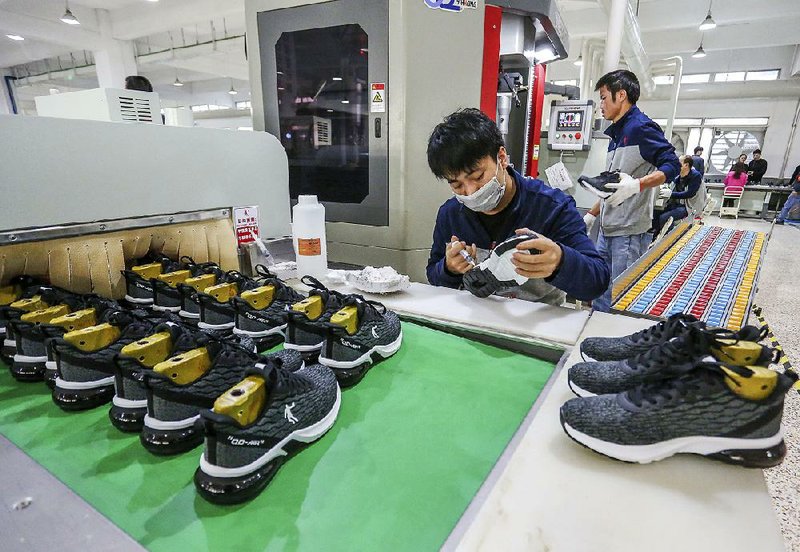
667,327
694,378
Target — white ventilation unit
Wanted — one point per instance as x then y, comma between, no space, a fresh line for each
322,132
102,104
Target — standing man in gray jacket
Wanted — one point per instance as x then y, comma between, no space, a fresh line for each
645,160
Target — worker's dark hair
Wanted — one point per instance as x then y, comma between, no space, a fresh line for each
756,151
458,143
138,82
620,79
697,149
687,160
738,168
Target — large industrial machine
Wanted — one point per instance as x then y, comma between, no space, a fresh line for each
353,88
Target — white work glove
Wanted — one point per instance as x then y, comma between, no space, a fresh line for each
589,219
625,188
665,193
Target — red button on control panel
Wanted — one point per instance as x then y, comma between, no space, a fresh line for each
578,135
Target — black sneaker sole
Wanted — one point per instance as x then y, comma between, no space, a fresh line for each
171,442
128,420
28,372
50,378
73,400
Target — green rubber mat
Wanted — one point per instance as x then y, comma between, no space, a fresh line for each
412,445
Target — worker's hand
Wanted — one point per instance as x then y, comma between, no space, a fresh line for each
589,219
625,188
665,193
454,262
543,262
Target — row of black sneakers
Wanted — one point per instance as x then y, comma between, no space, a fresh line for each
679,387
179,381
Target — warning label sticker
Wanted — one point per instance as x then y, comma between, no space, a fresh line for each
245,221
377,97
309,247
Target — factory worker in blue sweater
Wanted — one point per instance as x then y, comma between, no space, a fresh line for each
491,203
645,160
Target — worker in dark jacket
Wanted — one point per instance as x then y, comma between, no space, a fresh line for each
645,159
492,202
698,163
680,199
757,168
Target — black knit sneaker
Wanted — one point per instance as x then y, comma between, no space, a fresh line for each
497,272
179,387
261,311
190,308
357,332
597,184
138,284
20,287
725,412
84,358
30,360
216,302
670,359
29,302
161,341
93,311
166,295
619,348
307,320
258,424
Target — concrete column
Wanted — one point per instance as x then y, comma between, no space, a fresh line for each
5,99
116,60
616,27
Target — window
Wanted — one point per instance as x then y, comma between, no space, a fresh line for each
769,75
696,78
663,79
736,76
572,82
243,105
738,121
679,122
196,108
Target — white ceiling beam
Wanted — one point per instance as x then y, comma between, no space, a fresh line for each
222,67
53,32
145,19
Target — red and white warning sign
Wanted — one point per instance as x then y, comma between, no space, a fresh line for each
377,97
245,222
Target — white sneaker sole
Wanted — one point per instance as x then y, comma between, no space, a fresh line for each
272,331
383,350
207,326
578,391
304,348
644,454
305,435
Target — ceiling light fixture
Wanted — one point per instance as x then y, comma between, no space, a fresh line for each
337,78
232,91
15,37
177,82
708,23
578,62
68,18
699,53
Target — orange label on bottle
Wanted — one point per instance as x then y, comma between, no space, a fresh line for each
309,247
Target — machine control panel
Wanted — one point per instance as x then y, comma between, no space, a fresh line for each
570,125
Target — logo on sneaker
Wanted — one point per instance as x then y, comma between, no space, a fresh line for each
253,317
142,285
244,442
375,333
287,413
351,345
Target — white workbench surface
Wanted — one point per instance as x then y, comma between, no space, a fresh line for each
509,316
551,494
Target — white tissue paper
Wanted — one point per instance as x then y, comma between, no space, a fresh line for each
377,280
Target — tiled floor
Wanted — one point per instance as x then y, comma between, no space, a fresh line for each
779,296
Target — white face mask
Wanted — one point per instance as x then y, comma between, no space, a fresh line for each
487,197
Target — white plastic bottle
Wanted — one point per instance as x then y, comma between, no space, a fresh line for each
308,235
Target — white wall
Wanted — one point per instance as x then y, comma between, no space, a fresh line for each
779,110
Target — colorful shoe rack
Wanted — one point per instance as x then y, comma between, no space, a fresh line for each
707,271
